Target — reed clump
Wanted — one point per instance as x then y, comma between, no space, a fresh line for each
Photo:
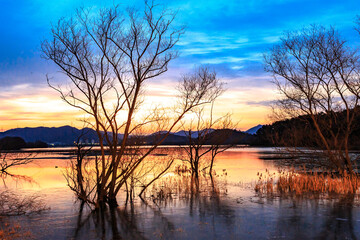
309,184
184,187
182,169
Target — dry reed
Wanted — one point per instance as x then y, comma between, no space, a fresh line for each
308,184
184,187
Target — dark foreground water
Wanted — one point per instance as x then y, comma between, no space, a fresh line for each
225,207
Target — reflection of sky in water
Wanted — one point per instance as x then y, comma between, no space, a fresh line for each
234,213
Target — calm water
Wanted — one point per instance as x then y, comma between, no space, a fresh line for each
225,208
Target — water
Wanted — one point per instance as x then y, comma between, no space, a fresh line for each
225,207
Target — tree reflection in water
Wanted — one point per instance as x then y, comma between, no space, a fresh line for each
182,207
339,223
151,218
316,219
15,178
9,161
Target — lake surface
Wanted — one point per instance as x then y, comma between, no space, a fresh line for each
225,207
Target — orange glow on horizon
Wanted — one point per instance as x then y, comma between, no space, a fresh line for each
34,106
241,165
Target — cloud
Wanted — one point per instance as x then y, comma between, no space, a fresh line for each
266,103
229,36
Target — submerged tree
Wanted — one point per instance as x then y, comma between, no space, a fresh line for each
318,76
108,57
206,136
9,160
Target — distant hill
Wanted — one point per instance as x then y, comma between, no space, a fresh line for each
65,135
172,139
254,130
194,134
229,136
301,132
12,143
213,136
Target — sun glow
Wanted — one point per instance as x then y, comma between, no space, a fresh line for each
31,106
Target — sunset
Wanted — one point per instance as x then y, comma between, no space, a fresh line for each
229,36
180,119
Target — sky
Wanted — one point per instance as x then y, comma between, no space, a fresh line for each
229,36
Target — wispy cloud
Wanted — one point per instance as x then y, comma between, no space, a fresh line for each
229,36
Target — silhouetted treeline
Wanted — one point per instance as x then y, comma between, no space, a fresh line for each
233,137
62,136
301,132
36,144
12,143
17,143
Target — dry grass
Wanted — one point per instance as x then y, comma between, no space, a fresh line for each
307,184
181,169
14,231
13,204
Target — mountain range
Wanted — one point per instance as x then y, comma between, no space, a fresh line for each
67,135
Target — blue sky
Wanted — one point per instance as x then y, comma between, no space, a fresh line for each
230,36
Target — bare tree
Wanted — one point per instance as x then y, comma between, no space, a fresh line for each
150,171
108,57
8,160
207,137
13,204
318,76
77,174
